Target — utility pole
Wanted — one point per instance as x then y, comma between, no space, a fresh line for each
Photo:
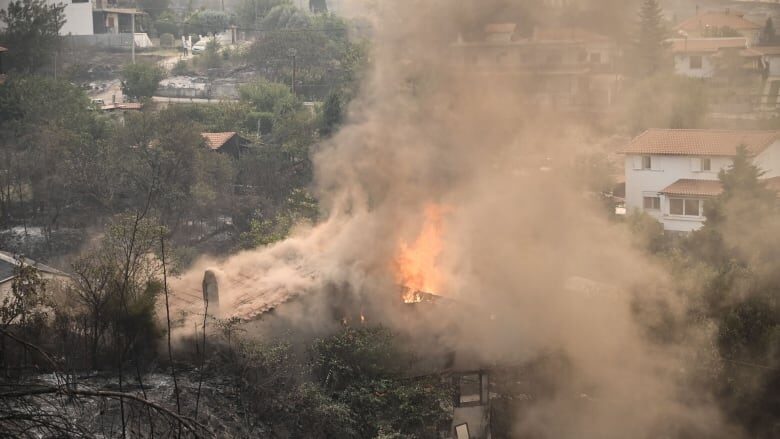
293,54
132,36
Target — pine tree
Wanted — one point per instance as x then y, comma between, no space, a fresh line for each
650,44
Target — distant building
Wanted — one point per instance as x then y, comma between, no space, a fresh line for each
111,19
78,16
708,24
558,66
670,173
699,57
9,263
230,143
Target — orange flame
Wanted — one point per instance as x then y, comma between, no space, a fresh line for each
417,264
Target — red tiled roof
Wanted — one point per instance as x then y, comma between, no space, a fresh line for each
733,20
217,140
567,34
700,142
688,187
696,45
500,28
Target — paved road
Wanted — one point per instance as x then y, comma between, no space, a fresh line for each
112,93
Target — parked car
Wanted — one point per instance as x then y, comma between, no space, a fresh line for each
200,46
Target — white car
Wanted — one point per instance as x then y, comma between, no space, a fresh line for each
200,46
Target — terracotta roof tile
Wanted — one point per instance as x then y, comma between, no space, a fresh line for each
688,187
733,20
700,142
217,140
697,45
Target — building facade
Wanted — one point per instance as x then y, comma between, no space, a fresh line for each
564,68
78,16
671,173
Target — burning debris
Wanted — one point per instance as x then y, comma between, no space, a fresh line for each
417,264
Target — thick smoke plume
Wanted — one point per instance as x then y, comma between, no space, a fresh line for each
538,265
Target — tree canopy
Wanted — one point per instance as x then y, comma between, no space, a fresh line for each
32,33
649,43
141,80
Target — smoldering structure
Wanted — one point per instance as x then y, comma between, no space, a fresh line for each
535,268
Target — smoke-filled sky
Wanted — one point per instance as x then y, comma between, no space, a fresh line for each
521,242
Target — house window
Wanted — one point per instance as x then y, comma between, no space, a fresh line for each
470,390
653,203
647,162
684,206
706,164
695,61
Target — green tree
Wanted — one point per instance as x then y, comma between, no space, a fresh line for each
32,33
27,297
208,22
154,7
285,16
331,114
211,58
363,368
742,185
270,101
141,80
251,12
665,101
649,49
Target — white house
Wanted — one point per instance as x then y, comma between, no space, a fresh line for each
8,264
712,23
78,16
669,173
698,57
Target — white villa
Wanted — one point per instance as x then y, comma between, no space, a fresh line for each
669,173
699,57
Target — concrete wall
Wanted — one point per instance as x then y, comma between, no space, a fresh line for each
99,40
682,66
78,16
78,19
769,161
774,64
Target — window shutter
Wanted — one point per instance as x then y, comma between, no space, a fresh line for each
637,161
695,164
